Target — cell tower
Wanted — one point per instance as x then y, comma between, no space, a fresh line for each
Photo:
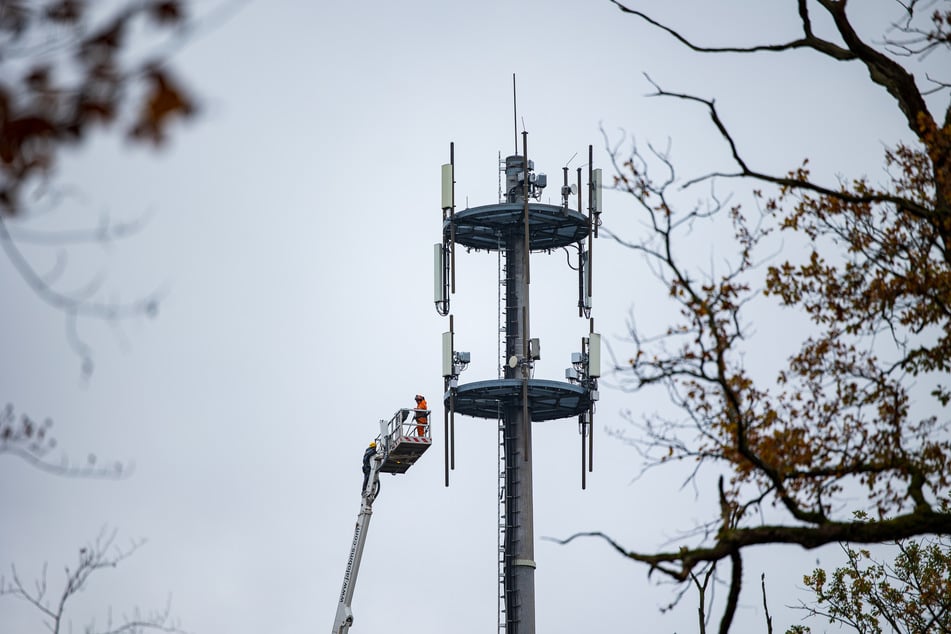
514,228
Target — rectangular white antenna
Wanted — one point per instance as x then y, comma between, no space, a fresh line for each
585,280
447,354
447,186
594,355
596,190
439,274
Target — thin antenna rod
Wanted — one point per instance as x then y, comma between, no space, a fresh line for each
452,430
591,421
452,220
446,435
591,222
451,436
526,280
583,425
448,413
580,197
515,112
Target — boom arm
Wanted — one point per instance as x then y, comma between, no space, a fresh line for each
344,618
402,440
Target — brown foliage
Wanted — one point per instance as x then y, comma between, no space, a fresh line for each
910,595
65,76
834,432
73,69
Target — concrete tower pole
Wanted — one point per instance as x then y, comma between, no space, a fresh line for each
519,512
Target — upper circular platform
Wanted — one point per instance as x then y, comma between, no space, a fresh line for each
549,226
547,400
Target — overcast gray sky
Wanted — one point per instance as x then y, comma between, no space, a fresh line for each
292,226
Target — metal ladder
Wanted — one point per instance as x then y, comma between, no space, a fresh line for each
502,612
502,289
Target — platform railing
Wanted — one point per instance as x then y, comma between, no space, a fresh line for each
403,425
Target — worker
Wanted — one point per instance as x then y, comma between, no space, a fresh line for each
367,457
420,417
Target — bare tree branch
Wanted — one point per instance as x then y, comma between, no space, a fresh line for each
101,554
80,303
32,442
809,40
858,532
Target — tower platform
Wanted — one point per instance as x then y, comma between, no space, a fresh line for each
549,226
547,399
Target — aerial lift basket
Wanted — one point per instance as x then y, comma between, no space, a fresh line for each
404,439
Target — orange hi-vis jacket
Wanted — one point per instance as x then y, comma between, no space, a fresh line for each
421,418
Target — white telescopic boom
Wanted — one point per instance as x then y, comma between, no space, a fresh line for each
344,617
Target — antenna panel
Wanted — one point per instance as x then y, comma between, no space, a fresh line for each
447,186
439,274
447,354
585,281
594,355
596,190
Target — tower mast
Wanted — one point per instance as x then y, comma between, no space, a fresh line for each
516,226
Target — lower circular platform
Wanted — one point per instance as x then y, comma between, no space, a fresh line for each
550,226
547,400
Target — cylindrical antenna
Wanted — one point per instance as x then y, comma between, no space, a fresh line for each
515,112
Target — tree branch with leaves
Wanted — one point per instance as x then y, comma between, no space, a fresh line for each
910,595
72,70
834,431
